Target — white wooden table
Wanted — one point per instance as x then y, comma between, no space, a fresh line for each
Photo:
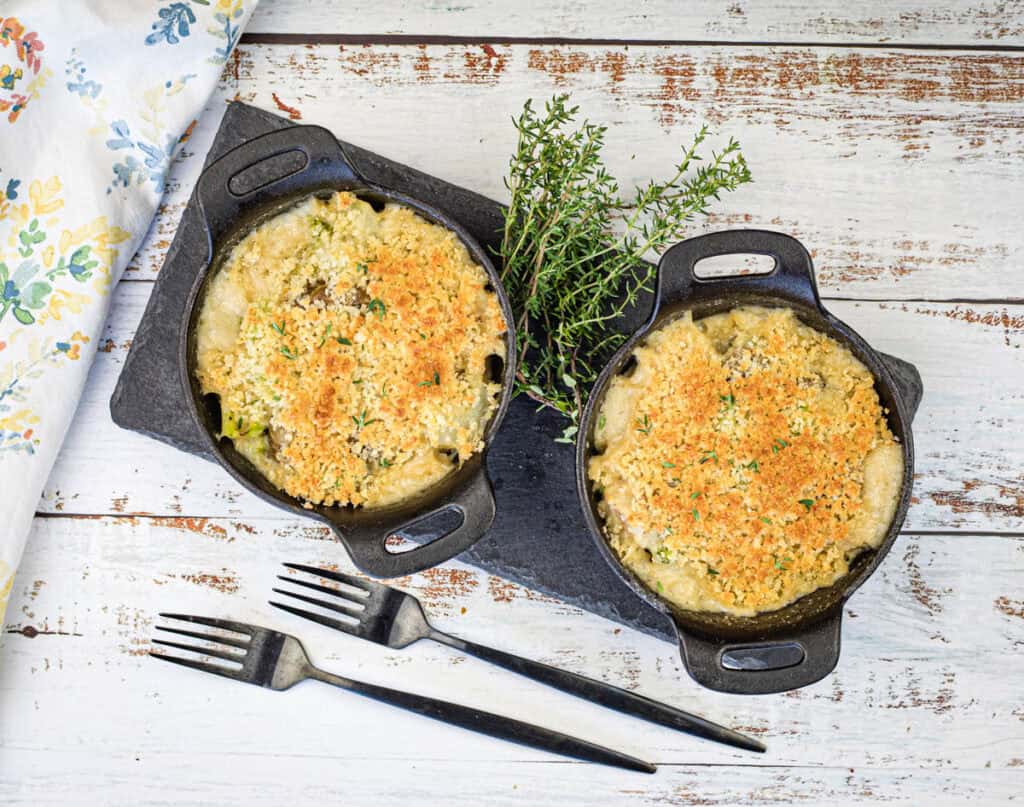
888,137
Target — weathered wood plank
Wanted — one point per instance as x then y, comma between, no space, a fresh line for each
331,776
900,171
905,21
929,646
969,464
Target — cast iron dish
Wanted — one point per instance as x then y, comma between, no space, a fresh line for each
798,644
252,184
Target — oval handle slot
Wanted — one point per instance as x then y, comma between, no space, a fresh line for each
265,172
753,658
733,265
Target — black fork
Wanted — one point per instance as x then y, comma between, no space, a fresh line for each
277,661
387,616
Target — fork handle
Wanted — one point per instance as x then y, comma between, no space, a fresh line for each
504,728
607,695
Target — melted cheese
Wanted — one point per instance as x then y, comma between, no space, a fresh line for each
348,348
744,462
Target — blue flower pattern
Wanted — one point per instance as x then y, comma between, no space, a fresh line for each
173,22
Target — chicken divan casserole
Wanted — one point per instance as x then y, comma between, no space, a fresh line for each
744,462
349,350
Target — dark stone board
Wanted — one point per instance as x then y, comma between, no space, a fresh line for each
538,539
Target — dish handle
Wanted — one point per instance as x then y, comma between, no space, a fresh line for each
473,501
268,167
792,277
785,662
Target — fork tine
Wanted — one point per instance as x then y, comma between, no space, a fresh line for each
208,637
339,608
223,624
204,651
338,577
345,595
216,669
337,624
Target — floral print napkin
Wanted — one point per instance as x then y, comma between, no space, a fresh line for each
95,97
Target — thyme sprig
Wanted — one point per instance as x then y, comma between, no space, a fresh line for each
573,245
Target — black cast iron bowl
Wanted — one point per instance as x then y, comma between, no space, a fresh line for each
250,185
798,644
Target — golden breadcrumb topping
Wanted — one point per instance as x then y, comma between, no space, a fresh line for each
744,462
348,348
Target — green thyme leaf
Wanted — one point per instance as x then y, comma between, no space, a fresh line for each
808,503
278,327
341,340
668,465
376,306
287,353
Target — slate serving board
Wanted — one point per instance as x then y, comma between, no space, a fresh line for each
539,538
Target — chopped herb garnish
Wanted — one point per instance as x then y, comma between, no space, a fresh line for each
384,391
766,520
808,503
341,340
712,571
278,327
601,421
729,400
663,554
696,515
695,494
782,565
320,226
362,268
361,421
423,336
288,354
708,456
376,306
357,381
433,382
327,332
754,466
385,462
644,425
660,586
778,444
668,465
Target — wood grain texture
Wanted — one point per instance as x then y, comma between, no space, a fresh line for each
969,465
993,22
900,171
908,693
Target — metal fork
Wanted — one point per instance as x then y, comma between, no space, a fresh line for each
393,618
278,661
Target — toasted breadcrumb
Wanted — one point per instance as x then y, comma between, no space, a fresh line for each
348,348
744,462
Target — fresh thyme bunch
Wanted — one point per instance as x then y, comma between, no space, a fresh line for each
573,247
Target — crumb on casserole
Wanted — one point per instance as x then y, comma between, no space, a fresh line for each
744,461
349,351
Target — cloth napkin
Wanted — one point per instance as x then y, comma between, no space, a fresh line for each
95,98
